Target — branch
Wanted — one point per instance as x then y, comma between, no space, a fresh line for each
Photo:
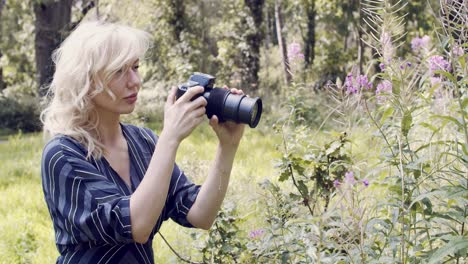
84,11
175,252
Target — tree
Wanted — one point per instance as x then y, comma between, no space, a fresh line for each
279,34
2,83
53,24
52,19
309,37
176,18
254,40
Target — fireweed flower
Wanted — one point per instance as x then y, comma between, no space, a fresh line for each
256,233
354,85
336,183
382,67
418,44
294,51
385,87
437,62
365,182
349,84
363,82
349,177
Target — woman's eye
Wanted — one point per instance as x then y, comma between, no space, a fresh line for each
135,67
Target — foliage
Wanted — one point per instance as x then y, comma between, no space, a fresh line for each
416,109
370,168
223,243
17,44
17,115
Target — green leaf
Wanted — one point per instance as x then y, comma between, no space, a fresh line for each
455,245
431,127
388,112
284,176
302,188
333,147
451,119
406,123
447,74
425,195
465,103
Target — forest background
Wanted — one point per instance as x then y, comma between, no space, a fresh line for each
361,154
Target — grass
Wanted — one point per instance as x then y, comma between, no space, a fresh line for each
26,228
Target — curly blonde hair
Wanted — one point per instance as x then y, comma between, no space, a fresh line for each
85,63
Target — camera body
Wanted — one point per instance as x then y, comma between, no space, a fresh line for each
222,103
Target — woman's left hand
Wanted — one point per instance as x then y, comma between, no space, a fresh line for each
229,133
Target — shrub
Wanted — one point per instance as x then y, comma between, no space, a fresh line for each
19,115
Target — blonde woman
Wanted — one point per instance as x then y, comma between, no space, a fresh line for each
108,185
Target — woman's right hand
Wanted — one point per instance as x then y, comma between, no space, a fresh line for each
182,116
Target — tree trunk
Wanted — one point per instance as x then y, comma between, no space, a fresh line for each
52,19
284,56
361,46
254,41
309,41
177,19
2,83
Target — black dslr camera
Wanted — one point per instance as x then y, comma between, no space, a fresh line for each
222,103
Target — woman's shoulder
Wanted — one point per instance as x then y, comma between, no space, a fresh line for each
64,144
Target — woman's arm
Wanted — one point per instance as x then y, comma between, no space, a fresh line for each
148,200
209,200
211,195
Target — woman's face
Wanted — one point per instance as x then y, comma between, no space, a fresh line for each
125,85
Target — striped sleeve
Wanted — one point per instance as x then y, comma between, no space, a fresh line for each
182,192
182,195
85,206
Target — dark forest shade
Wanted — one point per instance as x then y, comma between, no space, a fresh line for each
52,19
254,40
2,83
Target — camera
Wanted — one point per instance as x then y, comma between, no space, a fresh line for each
222,103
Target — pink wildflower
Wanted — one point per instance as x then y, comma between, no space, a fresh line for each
363,81
354,85
365,182
382,67
349,84
420,43
437,62
349,177
294,51
336,183
384,87
256,233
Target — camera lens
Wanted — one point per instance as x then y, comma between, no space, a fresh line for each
250,110
242,109
253,114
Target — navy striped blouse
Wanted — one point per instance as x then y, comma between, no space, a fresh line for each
90,204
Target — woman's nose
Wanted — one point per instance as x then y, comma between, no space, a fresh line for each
133,78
